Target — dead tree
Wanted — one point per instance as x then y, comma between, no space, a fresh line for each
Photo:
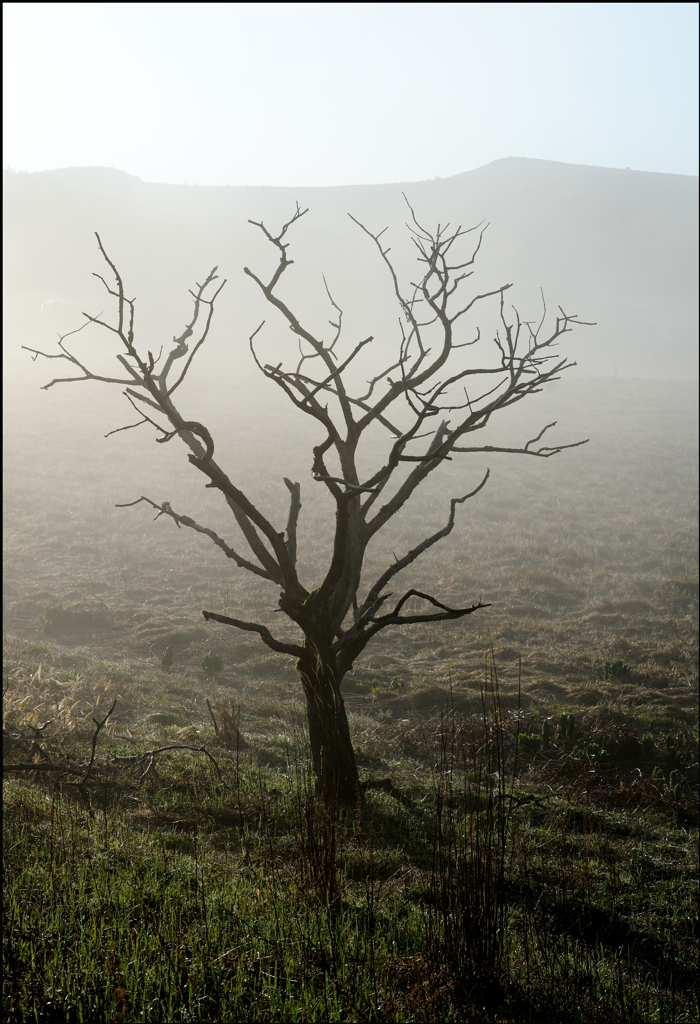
420,387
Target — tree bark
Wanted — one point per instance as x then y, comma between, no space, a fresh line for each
329,733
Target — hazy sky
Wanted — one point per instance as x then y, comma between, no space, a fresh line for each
325,94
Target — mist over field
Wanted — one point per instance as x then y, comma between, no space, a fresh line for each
614,247
618,247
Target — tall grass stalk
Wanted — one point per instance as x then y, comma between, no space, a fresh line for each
467,915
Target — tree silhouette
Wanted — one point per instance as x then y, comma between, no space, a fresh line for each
423,385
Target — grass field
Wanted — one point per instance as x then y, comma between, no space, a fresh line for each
534,857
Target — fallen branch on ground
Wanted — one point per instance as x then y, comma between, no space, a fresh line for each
44,767
130,761
135,759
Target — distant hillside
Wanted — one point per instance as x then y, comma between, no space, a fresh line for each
615,246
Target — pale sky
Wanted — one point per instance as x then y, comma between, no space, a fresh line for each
331,94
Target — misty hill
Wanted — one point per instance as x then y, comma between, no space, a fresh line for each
618,247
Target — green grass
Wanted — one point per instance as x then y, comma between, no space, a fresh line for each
194,891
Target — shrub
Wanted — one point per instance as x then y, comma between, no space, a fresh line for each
672,757
676,782
566,727
648,745
51,612
614,670
597,753
212,664
529,743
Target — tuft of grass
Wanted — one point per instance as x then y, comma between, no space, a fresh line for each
212,664
529,743
614,670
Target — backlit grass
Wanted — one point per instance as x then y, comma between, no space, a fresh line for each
512,884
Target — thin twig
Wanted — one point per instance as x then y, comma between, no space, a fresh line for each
213,718
173,746
100,726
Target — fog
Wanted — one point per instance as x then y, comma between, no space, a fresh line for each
615,247
325,95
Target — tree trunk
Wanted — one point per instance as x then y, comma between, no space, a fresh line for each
329,733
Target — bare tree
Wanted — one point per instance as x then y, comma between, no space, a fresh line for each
421,386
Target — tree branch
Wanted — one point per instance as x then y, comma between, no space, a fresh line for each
544,452
394,619
294,510
414,553
254,627
164,509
